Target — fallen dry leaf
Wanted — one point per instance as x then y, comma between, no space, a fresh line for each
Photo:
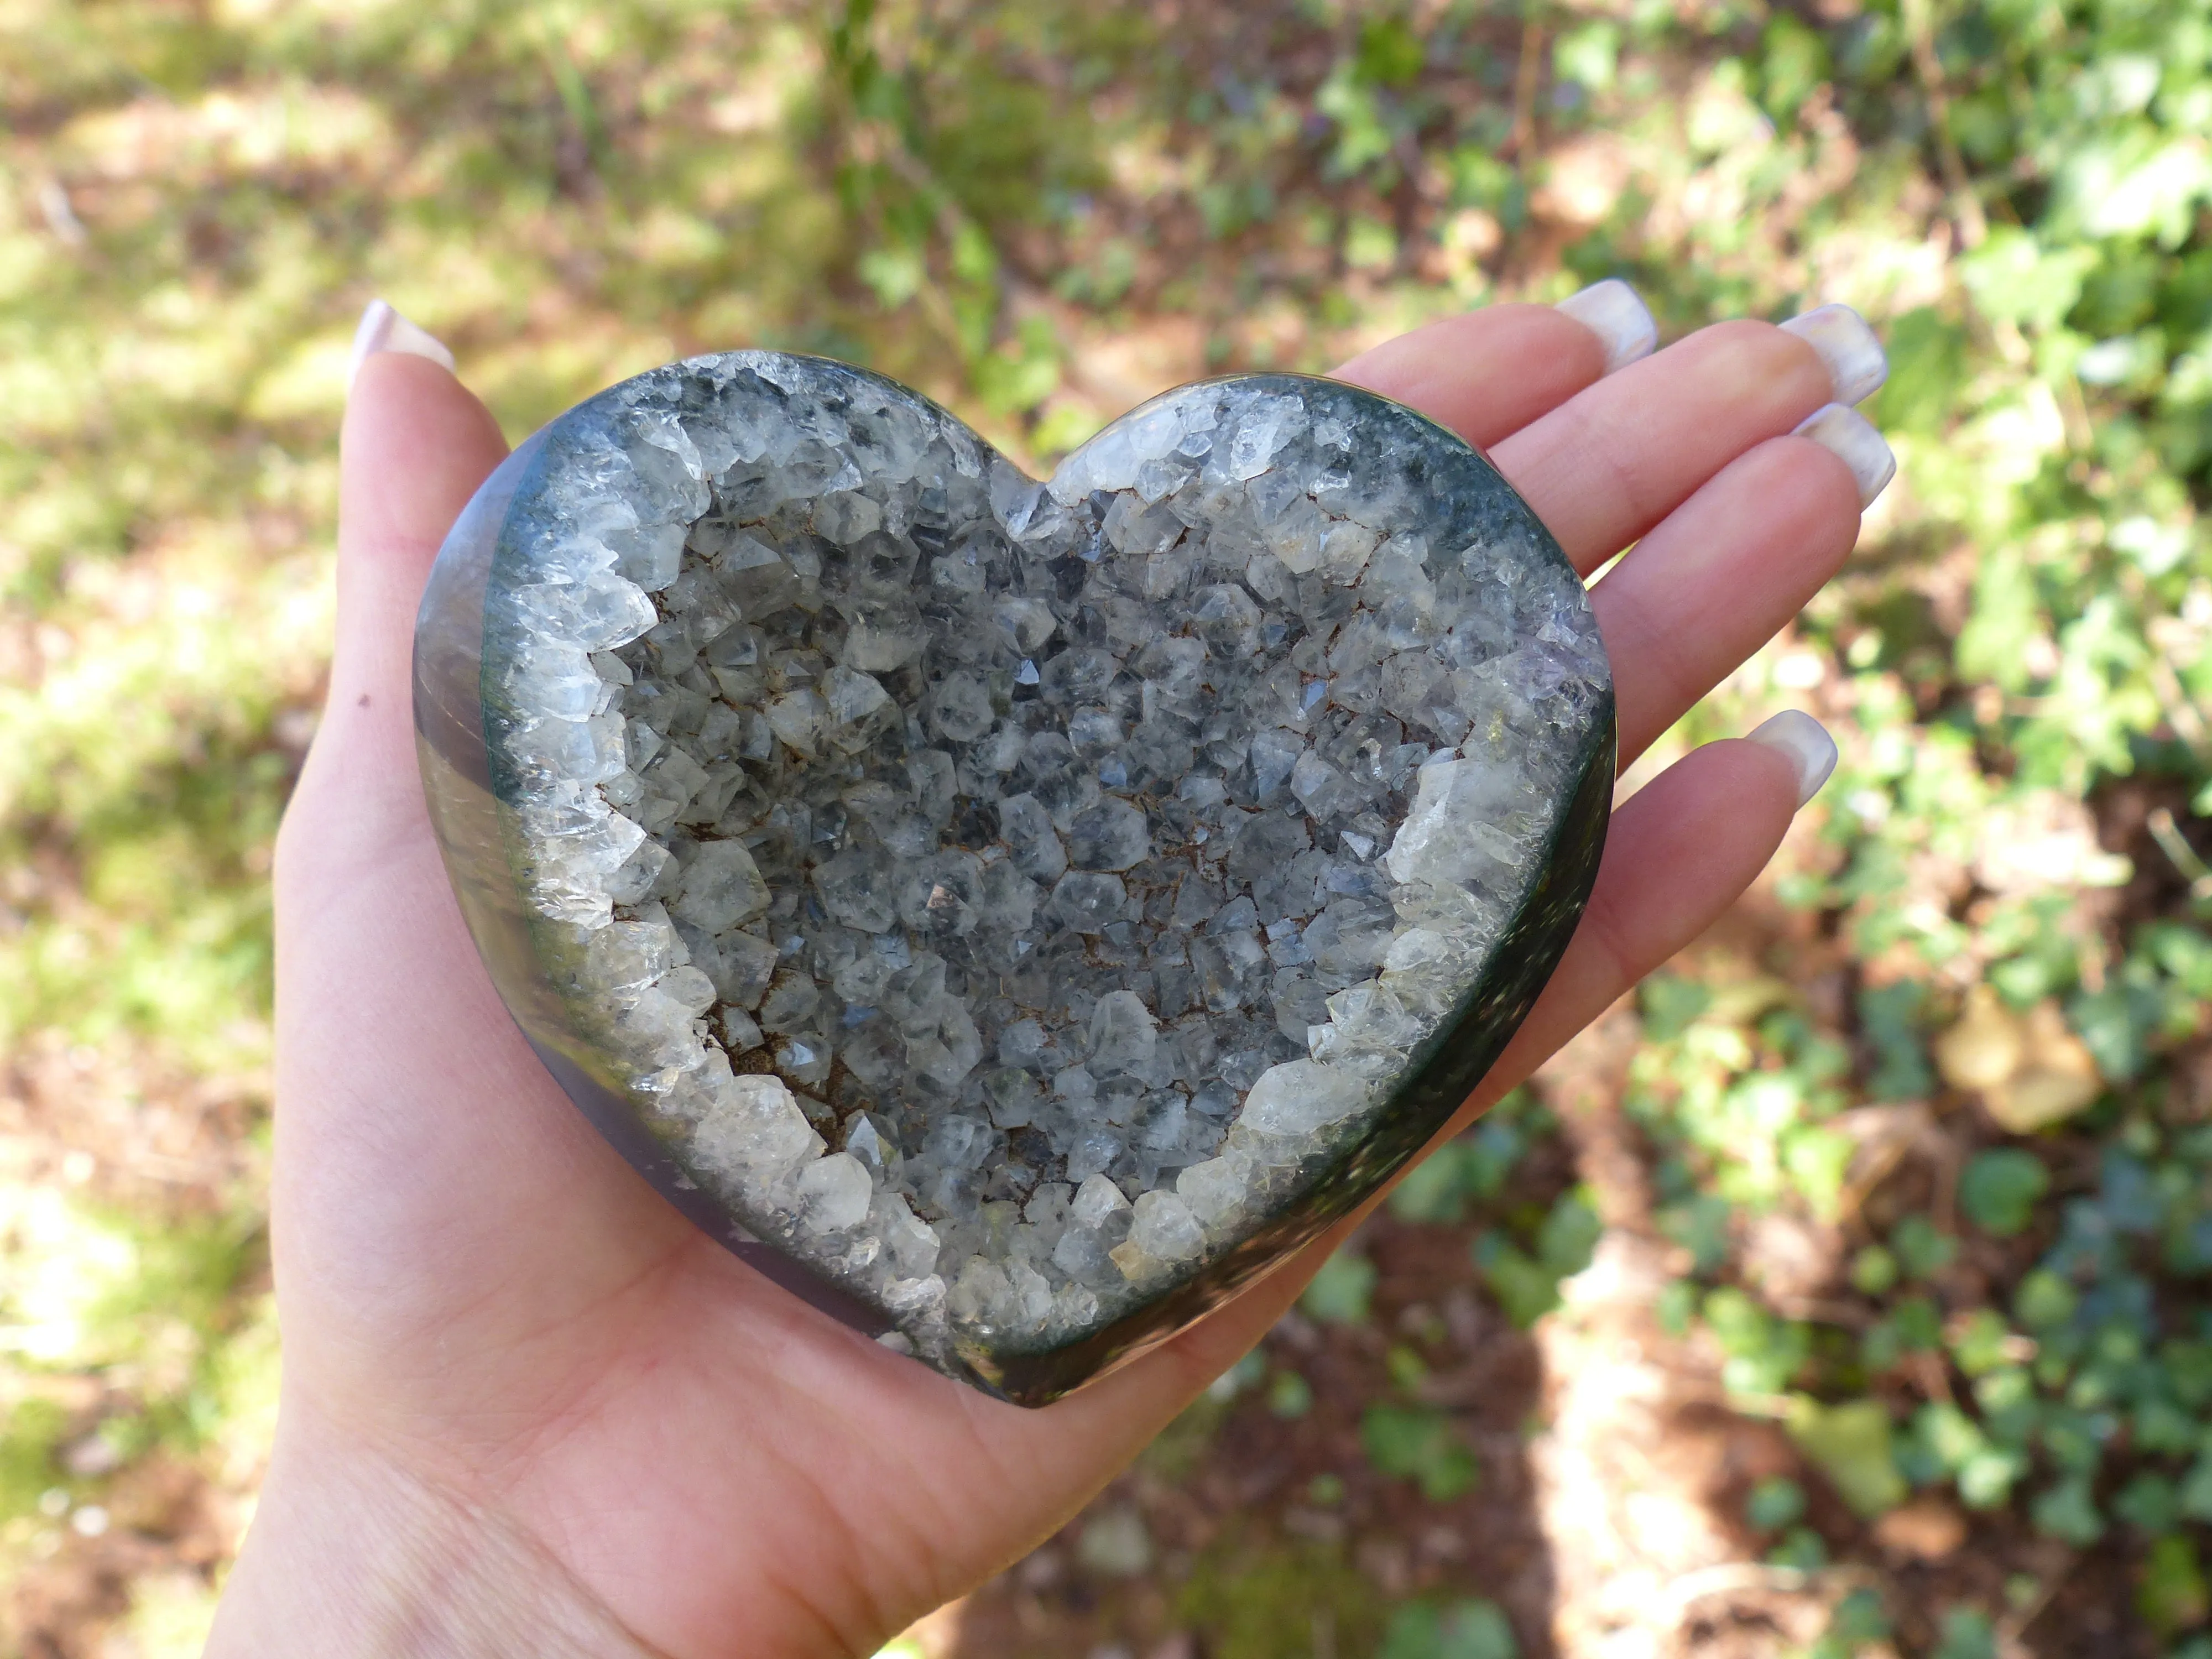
1927,1529
2030,1069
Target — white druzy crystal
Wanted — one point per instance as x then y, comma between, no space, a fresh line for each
754,1123
1164,1228
1453,833
834,1194
1301,1098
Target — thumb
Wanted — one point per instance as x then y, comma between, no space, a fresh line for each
416,444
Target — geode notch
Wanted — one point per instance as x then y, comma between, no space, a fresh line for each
1013,915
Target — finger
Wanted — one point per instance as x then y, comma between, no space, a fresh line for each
1484,373
1677,855
1614,459
416,444
1719,577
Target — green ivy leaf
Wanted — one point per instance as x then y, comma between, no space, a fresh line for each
1980,1342
1794,61
1431,1191
1568,1239
2172,1595
1589,54
1775,1503
1523,1286
2149,1503
1965,1633
1290,1396
2000,1188
1891,1016
1670,1002
1472,1629
1850,1442
2068,1511
1390,52
2044,1302
2015,279
1927,369
1341,1291
1921,1251
1419,1444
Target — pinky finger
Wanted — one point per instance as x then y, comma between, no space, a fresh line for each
1678,853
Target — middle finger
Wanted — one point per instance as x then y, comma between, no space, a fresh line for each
1614,459
1721,575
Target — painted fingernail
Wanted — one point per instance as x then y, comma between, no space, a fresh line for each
1807,744
1856,363
1844,431
1611,311
383,328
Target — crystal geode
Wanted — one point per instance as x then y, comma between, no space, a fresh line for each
1012,915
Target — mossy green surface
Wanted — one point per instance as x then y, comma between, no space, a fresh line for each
1260,1602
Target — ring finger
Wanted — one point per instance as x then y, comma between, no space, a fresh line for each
1610,462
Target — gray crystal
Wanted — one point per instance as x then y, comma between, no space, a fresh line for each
1164,1228
1123,1035
1085,861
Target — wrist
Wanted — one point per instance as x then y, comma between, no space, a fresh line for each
352,1556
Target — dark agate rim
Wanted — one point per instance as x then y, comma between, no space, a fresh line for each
451,742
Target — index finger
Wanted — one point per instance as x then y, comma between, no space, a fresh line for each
1487,374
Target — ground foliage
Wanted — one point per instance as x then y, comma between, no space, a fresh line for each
1920,1141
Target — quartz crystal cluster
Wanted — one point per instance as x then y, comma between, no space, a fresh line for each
1004,896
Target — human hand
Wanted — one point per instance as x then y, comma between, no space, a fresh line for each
529,1408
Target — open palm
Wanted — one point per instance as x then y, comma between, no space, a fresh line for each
527,1408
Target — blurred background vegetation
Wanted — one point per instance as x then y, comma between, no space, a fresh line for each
1843,1293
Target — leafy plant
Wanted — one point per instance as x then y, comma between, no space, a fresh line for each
2173,1595
1966,1633
1526,1281
1340,1293
2000,1188
1850,1444
1474,1629
1775,1503
1256,1601
1419,1444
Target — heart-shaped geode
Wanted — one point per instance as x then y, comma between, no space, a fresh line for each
1012,915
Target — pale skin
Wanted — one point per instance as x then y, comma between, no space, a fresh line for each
527,1408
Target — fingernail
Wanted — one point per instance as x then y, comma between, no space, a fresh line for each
1856,363
1845,432
383,328
1807,744
1611,311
